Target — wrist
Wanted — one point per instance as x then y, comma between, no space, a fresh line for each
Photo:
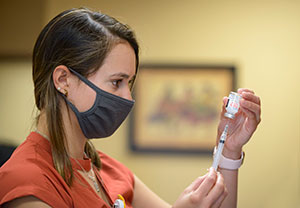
233,155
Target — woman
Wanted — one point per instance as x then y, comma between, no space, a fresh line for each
84,66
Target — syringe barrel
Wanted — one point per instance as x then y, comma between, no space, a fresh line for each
217,156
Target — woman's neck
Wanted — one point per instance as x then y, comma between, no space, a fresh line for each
75,140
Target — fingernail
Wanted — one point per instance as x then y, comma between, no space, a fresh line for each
218,176
211,170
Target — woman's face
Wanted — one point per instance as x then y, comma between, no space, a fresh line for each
114,76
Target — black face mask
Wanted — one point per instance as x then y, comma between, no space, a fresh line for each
105,116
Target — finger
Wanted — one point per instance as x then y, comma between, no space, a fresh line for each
223,111
225,100
217,191
196,183
220,200
241,90
251,116
251,97
252,110
207,183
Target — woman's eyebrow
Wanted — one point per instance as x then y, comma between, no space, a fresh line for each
121,74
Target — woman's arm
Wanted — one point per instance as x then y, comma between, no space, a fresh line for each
26,202
231,182
145,198
206,191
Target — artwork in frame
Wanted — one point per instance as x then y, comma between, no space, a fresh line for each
177,108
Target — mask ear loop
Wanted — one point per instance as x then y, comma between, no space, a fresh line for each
83,79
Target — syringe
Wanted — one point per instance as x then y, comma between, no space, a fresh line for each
232,107
220,148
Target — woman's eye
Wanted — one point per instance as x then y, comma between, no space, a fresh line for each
116,83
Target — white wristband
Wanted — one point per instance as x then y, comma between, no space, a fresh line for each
230,164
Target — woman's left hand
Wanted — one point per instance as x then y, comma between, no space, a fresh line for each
243,125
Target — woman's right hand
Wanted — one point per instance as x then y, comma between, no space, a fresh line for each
206,191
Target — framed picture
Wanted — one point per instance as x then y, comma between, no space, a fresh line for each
177,108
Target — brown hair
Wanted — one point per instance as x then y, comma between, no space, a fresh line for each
79,39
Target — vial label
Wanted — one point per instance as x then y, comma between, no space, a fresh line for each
233,104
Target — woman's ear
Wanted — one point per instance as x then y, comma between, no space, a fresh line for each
61,79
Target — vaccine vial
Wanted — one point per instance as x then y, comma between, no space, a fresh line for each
119,204
233,104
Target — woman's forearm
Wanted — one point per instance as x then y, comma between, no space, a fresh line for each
231,182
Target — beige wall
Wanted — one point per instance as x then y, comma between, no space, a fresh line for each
261,38
20,23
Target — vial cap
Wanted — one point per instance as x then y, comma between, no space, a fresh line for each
228,115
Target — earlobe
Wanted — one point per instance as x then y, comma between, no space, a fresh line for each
61,76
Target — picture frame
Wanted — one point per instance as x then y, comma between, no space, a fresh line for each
177,107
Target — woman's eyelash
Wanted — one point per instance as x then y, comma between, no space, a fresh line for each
116,82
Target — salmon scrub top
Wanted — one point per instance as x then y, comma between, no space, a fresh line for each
30,172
